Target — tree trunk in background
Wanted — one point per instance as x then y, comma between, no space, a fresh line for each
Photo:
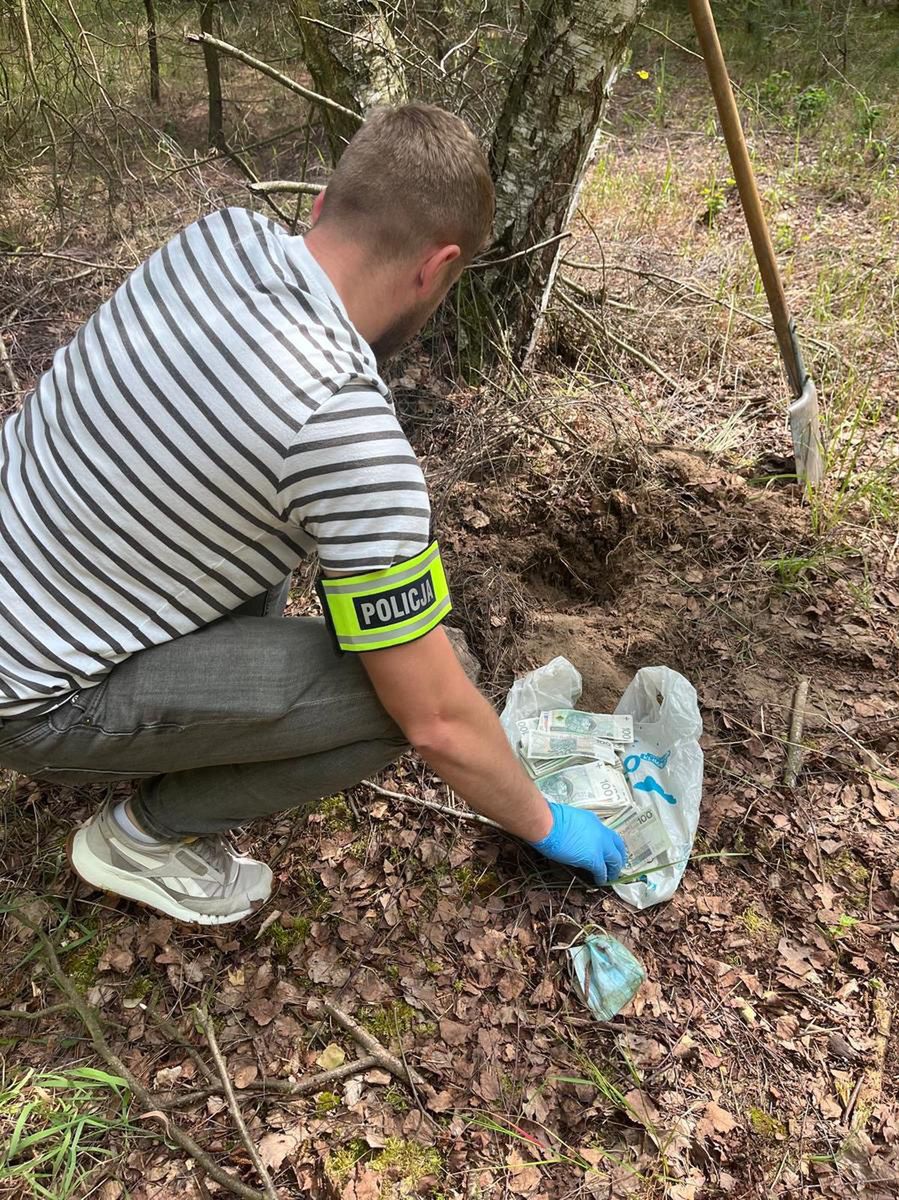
543,145
326,55
216,135
351,56
152,50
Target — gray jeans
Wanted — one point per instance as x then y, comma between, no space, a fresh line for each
251,715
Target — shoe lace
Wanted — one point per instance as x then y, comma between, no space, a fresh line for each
217,849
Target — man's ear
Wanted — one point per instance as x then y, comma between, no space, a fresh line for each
434,272
317,207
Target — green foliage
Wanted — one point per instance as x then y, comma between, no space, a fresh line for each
55,1128
392,1019
410,1162
339,1165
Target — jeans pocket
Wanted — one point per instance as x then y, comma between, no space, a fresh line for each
78,710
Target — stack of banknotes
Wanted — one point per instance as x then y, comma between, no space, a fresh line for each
565,737
576,758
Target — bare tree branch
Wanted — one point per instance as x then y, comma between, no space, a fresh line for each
258,65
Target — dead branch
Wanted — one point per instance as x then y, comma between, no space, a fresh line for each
571,303
282,1088
208,1029
685,285
794,746
64,258
146,1099
15,1014
174,1034
264,69
495,262
266,187
408,1075
461,813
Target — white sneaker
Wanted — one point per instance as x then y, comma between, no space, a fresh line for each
200,880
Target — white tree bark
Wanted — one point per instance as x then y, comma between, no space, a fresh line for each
545,141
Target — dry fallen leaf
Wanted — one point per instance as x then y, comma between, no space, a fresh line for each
715,1120
332,1056
366,1185
275,1147
524,1177
244,1074
454,1033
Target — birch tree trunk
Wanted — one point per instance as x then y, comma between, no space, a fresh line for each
352,58
544,144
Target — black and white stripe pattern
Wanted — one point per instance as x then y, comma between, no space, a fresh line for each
218,417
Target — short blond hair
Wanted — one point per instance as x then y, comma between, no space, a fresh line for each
413,176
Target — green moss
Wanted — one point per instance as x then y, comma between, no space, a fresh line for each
138,988
397,1099
335,814
847,867
409,1161
433,966
764,1125
391,1020
284,938
81,966
392,971
339,1165
476,883
326,1102
760,928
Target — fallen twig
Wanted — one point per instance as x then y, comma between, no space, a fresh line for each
495,262
267,187
64,258
282,1088
571,303
145,1098
794,747
14,1014
234,1108
685,285
461,813
321,1008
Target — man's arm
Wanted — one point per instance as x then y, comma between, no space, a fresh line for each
457,733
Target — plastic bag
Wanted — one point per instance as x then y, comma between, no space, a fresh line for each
663,767
605,974
557,685
664,770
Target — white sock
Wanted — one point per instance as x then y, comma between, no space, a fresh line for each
124,821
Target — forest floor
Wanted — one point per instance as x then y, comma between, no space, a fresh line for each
621,509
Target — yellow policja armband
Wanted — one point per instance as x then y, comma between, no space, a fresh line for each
387,608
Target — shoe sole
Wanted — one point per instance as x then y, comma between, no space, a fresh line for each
97,874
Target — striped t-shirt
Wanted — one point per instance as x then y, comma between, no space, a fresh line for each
215,420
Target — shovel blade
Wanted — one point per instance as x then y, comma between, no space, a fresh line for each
805,430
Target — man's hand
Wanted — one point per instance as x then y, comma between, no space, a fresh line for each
579,839
456,732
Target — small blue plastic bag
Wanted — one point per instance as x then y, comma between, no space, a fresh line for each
605,974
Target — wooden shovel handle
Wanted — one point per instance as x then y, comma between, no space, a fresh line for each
744,175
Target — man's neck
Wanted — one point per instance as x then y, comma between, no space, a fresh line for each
364,290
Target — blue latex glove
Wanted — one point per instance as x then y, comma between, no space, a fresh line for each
579,839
